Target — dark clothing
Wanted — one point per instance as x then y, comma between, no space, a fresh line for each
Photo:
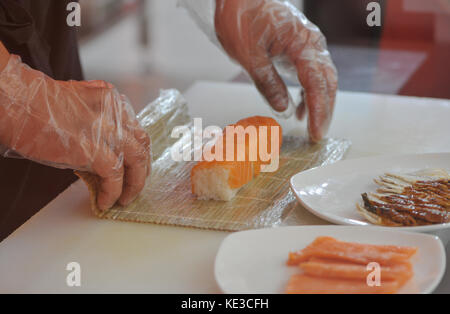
37,31
344,21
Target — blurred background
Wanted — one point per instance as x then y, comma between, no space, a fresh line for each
142,46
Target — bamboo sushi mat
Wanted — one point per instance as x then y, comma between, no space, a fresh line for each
267,201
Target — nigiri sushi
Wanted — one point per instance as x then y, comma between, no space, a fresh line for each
239,160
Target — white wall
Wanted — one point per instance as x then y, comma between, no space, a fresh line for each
179,48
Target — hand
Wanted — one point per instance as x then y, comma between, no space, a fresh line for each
85,126
254,32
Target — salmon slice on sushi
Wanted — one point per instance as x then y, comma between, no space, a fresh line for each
237,159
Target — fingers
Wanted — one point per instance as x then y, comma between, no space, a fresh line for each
331,77
129,119
136,170
269,82
123,174
144,140
127,151
136,150
301,109
319,96
110,170
316,72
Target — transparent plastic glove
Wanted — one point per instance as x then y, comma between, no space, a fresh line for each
86,126
260,33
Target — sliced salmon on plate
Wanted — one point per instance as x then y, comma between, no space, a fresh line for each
331,266
305,284
330,248
401,272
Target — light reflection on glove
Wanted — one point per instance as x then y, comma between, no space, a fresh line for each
86,126
258,33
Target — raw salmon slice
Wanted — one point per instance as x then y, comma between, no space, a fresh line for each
305,284
330,248
317,267
298,257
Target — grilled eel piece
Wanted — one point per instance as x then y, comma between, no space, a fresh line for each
417,199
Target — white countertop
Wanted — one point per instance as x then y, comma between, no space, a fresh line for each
143,258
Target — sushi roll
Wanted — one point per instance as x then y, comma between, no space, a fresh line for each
221,179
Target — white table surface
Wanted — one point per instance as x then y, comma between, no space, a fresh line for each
129,257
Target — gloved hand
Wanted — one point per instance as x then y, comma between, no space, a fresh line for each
256,32
86,126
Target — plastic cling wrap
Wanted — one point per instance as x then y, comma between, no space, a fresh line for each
267,201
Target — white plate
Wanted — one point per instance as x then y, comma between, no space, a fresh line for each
255,261
331,192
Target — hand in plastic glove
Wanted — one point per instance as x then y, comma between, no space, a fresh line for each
85,126
254,32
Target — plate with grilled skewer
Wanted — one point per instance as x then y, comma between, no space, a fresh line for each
411,192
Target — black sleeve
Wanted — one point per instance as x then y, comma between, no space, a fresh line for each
16,24
19,35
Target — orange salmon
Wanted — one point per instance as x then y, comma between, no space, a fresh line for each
305,284
330,248
401,272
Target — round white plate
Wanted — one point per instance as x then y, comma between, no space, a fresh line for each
331,192
255,261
